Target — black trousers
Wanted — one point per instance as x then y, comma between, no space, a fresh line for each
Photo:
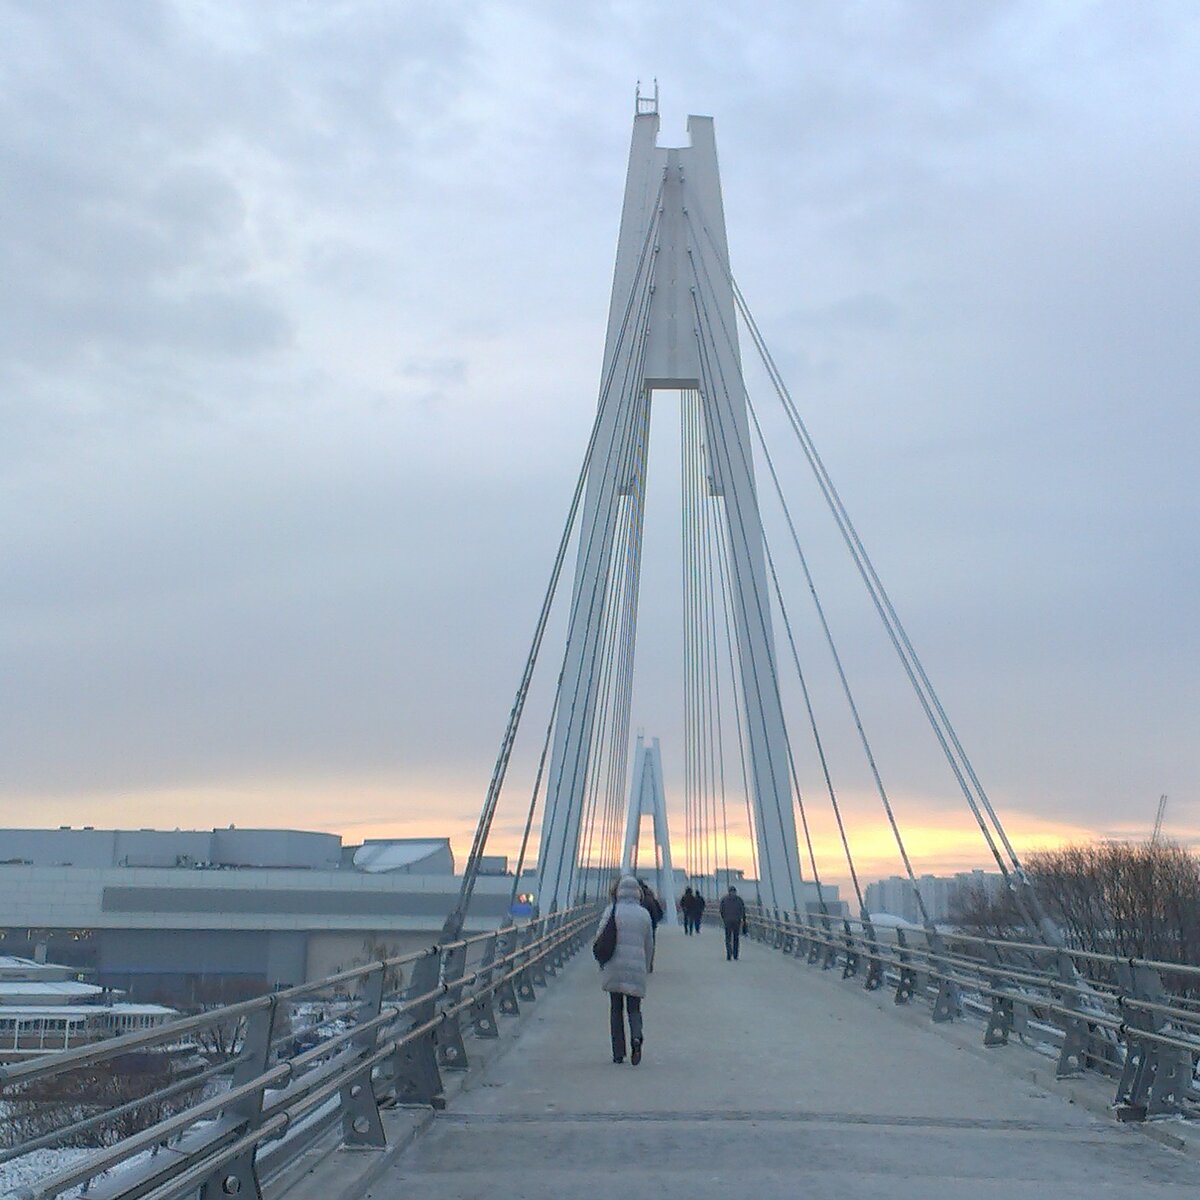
617,1001
733,938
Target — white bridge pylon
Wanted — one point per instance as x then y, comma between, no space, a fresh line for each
671,326
647,796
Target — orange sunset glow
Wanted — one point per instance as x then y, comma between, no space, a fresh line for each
942,842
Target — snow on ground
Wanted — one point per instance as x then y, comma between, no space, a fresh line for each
29,1168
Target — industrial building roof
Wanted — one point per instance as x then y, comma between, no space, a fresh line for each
376,856
67,989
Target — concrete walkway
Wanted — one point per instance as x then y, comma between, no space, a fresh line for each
767,1078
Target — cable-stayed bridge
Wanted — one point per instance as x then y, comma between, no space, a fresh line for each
842,1052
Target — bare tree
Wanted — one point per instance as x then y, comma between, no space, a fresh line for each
1129,899
224,1039
50,1105
986,911
376,949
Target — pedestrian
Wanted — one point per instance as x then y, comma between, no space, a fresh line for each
686,904
623,977
698,911
651,903
733,917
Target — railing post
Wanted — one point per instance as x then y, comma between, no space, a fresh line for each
452,1051
536,969
1154,1075
874,964
907,984
525,988
551,963
1077,1032
814,943
360,1111
414,1069
1000,1019
506,995
571,947
483,1014
829,958
945,1003
800,943
850,967
240,1177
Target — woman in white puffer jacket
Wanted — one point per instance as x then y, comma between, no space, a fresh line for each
624,975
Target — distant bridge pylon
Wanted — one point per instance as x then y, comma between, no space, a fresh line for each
647,797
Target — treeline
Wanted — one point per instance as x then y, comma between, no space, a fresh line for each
118,1090
1130,899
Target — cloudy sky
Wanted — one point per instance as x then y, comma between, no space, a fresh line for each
300,333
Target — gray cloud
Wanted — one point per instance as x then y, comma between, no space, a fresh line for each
299,343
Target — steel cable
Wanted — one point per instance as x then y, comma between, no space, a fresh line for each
865,741
927,696
711,383
455,920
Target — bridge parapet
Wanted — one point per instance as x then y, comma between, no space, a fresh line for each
309,1064
1097,1012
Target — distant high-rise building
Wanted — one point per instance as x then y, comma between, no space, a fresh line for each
940,894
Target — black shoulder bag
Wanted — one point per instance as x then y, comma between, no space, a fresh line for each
605,945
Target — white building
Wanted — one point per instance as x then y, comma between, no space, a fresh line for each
940,893
45,1007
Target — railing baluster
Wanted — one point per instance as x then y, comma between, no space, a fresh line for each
361,1125
506,993
1154,1075
850,966
907,983
483,1014
413,1066
1000,1019
240,1176
946,1002
452,1050
536,970
525,978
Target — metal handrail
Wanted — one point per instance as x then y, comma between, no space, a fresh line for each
110,1156
1096,956
302,1082
107,1117
1099,1021
811,929
56,1062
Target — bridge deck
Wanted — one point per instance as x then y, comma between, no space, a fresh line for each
766,1078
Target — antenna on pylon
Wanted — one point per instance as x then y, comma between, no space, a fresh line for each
646,104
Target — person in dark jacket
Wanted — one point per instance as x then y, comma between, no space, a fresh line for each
692,906
651,903
733,917
687,904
